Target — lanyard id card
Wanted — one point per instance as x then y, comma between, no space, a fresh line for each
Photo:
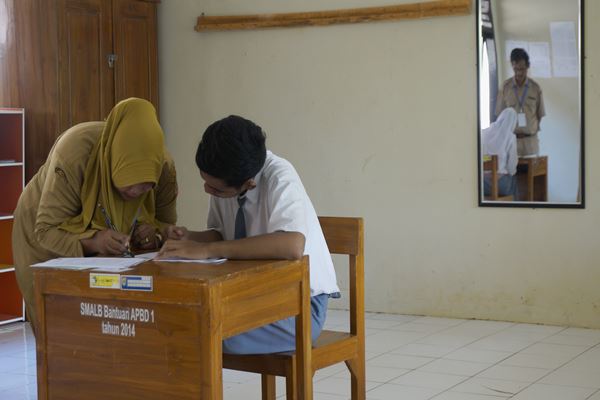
521,120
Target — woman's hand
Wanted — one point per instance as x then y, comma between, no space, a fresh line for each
177,233
144,237
106,242
184,249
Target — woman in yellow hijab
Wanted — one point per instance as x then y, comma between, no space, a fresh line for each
98,178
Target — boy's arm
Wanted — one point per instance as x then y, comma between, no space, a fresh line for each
182,233
277,245
209,235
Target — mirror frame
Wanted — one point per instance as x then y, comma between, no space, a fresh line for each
533,204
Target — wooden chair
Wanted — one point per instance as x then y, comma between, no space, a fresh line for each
343,236
491,166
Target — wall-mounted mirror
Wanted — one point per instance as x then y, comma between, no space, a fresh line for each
530,97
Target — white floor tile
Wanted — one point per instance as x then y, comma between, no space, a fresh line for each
338,386
482,356
588,360
569,351
490,387
540,329
399,361
455,367
325,396
592,333
553,392
588,378
16,365
443,339
390,391
389,340
330,371
440,321
501,342
424,350
378,374
595,396
415,326
464,396
391,317
429,380
512,373
546,361
561,338
27,392
11,381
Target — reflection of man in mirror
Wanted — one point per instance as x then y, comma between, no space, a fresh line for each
524,95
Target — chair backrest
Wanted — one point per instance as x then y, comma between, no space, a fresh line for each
491,165
345,235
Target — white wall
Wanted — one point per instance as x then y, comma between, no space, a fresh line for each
380,121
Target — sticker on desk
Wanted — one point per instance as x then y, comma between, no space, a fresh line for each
105,281
136,282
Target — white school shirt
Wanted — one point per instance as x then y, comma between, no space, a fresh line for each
279,203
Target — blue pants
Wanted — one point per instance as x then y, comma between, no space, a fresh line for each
279,336
507,185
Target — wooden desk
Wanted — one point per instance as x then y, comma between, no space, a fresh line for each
532,178
109,344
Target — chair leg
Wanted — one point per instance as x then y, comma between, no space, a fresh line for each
268,387
291,383
358,378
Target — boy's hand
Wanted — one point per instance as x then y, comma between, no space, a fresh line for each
184,249
144,237
177,232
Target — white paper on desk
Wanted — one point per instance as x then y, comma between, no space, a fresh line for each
112,268
151,256
79,263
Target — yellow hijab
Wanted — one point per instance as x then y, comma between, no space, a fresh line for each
130,151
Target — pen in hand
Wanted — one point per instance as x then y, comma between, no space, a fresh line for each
128,252
107,220
111,226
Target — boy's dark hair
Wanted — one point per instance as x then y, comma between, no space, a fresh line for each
232,149
519,54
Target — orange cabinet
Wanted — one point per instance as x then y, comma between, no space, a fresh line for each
12,175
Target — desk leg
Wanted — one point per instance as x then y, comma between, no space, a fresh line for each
304,341
530,188
211,344
40,340
541,188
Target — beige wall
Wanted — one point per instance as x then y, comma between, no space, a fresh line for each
380,121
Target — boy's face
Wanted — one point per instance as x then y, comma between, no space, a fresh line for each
217,187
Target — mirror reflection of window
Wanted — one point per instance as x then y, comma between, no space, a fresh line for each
484,87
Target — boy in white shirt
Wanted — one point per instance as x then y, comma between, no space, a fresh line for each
258,209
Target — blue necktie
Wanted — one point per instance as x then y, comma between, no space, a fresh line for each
240,221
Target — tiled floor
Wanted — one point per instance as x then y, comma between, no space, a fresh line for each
410,358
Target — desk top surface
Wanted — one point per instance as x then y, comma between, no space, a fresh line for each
202,273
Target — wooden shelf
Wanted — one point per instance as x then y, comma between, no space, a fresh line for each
12,180
346,16
12,185
11,301
8,318
6,268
